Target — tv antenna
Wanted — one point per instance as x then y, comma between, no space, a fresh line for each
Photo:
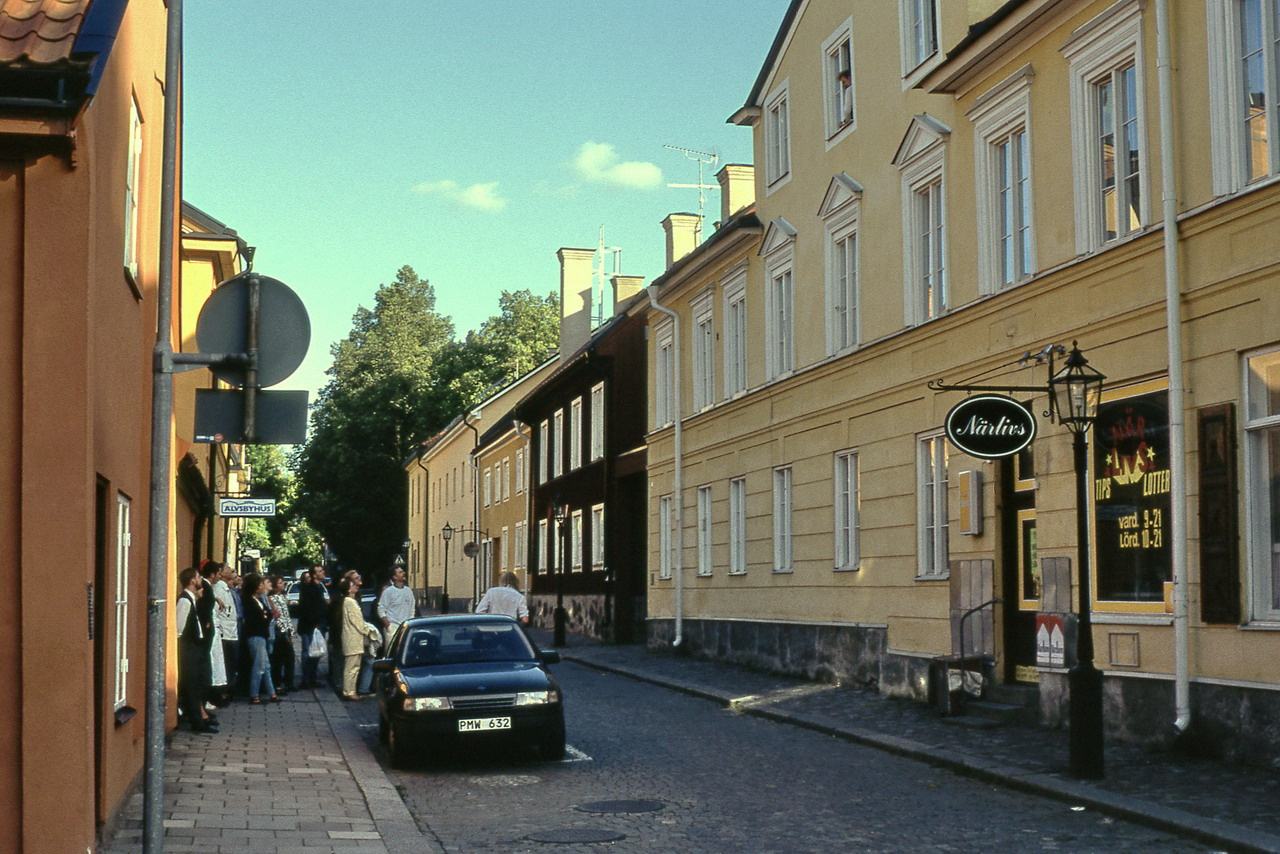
702,158
606,257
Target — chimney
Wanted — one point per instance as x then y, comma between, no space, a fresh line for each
737,188
624,288
683,231
575,298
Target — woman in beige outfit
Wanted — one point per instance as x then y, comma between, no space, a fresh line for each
354,633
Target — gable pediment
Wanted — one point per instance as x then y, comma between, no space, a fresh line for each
842,191
923,135
779,234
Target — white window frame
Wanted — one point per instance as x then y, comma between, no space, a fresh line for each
506,549
488,486
521,551
932,506
541,548
738,526
664,375
1228,96
575,541
778,251
506,478
557,453
840,112
777,137
124,541
845,503
520,474
922,162
544,439
839,212
704,530
666,537
918,32
133,175
1109,43
597,422
1006,208
734,286
1263,549
704,350
783,519
597,536
575,434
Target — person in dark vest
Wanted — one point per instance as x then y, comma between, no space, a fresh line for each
313,606
192,653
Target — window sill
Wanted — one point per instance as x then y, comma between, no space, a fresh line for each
783,570
778,183
846,568
1261,626
946,577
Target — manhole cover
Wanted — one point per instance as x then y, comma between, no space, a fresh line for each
622,806
571,835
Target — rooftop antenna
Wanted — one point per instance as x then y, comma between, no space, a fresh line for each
702,158
606,257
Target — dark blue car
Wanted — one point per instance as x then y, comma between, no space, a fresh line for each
466,680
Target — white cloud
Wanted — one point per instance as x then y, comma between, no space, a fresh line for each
480,197
599,162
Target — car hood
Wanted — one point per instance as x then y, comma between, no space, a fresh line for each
492,677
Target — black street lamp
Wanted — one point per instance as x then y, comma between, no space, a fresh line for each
1076,391
561,513
446,534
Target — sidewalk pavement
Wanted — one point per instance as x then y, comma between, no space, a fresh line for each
297,777
1236,808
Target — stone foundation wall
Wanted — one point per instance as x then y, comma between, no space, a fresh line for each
586,614
847,654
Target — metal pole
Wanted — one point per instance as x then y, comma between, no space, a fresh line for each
560,614
1084,679
161,451
444,589
251,370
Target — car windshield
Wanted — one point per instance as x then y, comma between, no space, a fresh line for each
461,643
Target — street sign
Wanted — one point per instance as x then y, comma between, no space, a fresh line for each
285,329
281,416
471,549
246,507
990,426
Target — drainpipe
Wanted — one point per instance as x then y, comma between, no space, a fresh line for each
475,505
528,493
678,486
426,530
1177,391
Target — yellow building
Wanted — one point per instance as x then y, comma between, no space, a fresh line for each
503,464
445,489
945,189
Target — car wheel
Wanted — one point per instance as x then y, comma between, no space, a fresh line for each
383,729
397,748
552,745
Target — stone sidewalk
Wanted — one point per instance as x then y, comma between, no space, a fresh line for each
293,777
1231,807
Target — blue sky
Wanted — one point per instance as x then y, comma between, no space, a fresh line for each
469,140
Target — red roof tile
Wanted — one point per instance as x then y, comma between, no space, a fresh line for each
40,32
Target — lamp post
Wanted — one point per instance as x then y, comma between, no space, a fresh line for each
1076,391
446,534
561,513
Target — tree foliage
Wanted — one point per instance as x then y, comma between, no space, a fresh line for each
398,378
287,541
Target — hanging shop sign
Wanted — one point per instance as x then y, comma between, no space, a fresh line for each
990,426
246,507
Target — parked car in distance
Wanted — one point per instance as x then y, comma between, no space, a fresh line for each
466,680
291,592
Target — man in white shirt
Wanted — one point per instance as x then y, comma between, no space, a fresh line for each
505,599
395,605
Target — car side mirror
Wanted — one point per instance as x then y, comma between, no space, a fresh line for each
384,665
549,656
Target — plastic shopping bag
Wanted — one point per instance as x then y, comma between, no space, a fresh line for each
317,648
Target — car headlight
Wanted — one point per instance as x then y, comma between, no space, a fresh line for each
535,698
426,704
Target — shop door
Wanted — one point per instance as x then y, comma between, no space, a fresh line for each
1021,568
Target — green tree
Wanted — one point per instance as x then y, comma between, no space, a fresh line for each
291,542
383,396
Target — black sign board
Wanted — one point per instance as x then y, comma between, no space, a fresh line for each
284,328
1131,498
990,426
282,416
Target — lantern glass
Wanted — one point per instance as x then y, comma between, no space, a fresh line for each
447,533
1077,391
559,511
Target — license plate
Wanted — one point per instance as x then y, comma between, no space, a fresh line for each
483,724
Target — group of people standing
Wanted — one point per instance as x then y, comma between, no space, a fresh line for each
234,635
